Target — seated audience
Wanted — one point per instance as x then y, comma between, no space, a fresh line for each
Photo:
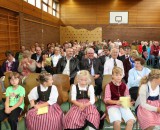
93,65
44,96
14,103
155,48
68,65
83,111
11,64
19,55
114,90
45,64
112,62
27,65
129,64
149,101
135,75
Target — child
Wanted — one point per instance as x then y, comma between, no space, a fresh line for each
149,103
45,95
14,101
83,112
114,90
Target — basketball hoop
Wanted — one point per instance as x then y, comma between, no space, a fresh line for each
118,19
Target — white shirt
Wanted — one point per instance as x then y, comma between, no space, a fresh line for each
90,92
33,95
55,59
10,63
92,69
38,57
67,69
143,98
109,64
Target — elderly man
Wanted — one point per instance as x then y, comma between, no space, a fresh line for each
94,66
37,56
68,65
112,62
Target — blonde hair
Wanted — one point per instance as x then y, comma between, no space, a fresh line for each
26,54
134,53
84,73
117,70
154,74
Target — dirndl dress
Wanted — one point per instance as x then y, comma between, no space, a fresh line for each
49,121
148,118
79,119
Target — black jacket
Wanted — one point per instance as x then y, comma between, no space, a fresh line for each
34,57
98,68
74,66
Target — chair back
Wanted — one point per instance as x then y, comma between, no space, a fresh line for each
106,79
62,82
29,83
6,80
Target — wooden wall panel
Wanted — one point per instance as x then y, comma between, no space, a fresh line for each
69,33
97,11
24,7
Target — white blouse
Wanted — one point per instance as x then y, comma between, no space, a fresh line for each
55,59
90,92
33,95
143,97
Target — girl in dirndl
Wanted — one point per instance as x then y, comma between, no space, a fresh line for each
148,111
83,111
45,95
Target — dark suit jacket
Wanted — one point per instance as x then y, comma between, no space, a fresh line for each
122,58
34,57
74,66
127,67
84,65
14,67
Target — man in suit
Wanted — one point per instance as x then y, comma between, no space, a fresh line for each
106,55
37,57
50,51
127,53
112,62
68,65
94,66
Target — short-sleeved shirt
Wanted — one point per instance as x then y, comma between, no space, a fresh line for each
14,95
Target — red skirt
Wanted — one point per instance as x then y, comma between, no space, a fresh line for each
148,118
76,118
50,121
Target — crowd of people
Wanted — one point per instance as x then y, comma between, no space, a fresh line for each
126,63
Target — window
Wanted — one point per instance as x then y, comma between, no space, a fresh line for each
32,2
38,4
50,6
45,5
45,8
55,8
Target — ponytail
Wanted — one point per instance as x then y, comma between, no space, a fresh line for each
144,80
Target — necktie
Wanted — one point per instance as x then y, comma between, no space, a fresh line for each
115,64
90,65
